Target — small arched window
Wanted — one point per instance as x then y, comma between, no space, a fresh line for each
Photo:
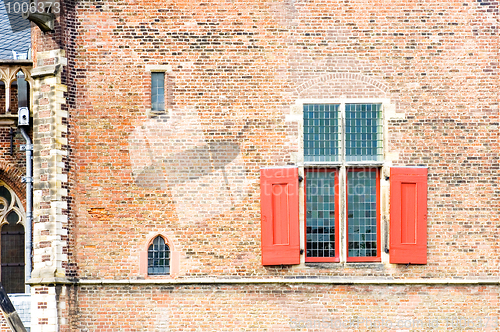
158,257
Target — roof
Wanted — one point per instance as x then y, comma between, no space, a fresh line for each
15,32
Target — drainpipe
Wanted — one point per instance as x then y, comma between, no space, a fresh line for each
23,123
29,198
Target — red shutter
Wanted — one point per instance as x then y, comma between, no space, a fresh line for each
408,215
279,208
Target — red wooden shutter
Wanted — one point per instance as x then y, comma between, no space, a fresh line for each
279,208
408,215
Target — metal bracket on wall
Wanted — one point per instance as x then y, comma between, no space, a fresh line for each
27,147
45,21
26,179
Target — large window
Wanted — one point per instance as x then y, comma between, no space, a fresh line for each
342,149
343,161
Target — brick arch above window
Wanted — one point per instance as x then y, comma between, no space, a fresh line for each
366,80
12,176
174,256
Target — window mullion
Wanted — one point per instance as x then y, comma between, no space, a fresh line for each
342,191
342,133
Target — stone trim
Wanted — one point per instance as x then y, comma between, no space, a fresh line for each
312,280
50,217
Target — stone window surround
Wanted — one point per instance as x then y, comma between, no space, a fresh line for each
388,113
167,69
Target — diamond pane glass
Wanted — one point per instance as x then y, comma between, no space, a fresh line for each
320,213
158,257
321,132
362,213
363,136
157,91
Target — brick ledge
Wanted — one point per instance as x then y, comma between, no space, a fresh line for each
332,281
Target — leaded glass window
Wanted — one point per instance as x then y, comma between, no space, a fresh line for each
325,140
157,92
321,213
363,132
362,213
321,132
158,257
343,148
12,241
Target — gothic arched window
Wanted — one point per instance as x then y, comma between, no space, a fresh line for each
12,240
158,257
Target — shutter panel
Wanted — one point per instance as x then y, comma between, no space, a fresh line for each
279,208
408,206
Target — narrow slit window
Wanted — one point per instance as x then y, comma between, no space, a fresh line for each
158,257
158,92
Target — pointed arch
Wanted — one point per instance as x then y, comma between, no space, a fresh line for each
8,76
10,206
12,240
144,258
12,176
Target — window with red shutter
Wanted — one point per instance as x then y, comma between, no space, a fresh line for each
343,159
343,147
279,193
408,204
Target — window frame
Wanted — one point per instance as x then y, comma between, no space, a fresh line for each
336,258
166,252
166,70
376,258
174,256
341,168
155,91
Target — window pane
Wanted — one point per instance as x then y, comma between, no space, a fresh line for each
158,257
320,213
157,91
362,213
363,136
12,249
321,132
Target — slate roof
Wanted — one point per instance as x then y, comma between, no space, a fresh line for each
15,32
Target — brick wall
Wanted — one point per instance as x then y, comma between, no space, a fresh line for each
13,99
287,308
237,70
